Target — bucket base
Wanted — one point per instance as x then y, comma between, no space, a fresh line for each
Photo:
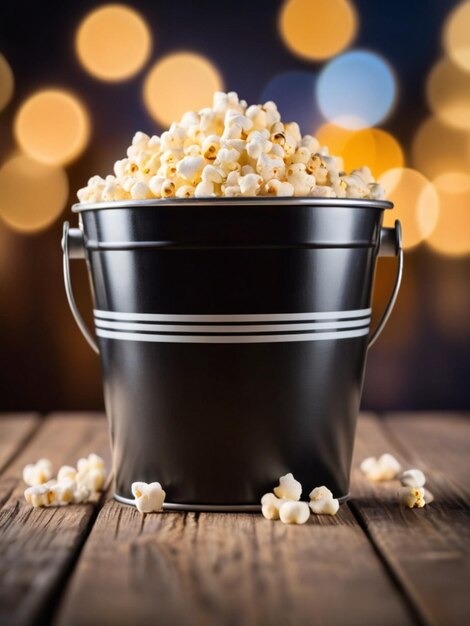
216,508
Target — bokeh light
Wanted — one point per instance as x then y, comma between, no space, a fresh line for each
52,127
180,82
113,42
317,29
294,94
356,90
373,147
387,153
32,194
457,35
451,236
416,204
7,82
448,92
336,138
439,148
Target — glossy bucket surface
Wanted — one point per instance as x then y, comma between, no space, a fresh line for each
233,340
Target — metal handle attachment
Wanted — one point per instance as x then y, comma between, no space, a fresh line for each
72,245
390,245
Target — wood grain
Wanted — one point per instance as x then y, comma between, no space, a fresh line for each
38,546
428,550
375,563
15,430
228,569
439,444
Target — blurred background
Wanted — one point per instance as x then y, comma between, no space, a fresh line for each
382,83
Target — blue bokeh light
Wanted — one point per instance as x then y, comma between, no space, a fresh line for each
356,89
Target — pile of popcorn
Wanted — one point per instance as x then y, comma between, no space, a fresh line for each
285,504
412,493
73,485
76,485
230,150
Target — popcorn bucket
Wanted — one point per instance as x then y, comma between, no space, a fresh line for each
233,336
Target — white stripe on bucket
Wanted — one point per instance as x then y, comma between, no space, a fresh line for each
256,317
230,328
345,334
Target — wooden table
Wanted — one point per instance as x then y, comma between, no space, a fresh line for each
373,564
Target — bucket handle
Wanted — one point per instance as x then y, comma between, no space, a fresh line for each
73,248
390,245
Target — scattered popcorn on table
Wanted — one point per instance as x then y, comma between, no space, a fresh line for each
91,462
81,494
291,512
413,478
322,501
91,472
289,488
93,480
37,473
320,492
324,506
73,485
285,504
63,492
384,468
270,506
286,494
40,495
149,497
412,497
54,493
428,496
268,156
66,472
368,464
412,493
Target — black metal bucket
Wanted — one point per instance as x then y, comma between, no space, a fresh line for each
233,336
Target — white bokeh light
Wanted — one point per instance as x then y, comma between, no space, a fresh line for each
356,90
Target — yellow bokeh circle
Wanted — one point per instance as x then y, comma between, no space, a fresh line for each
32,194
52,126
416,204
113,42
448,92
180,82
439,148
317,29
387,153
373,147
457,35
336,137
7,82
451,236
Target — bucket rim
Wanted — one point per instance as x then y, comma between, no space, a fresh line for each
367,203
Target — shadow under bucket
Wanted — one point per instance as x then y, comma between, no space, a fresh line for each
233,336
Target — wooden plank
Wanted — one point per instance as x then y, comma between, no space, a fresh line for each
38,546
15,430
437,443
231,569
239,569
427,550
